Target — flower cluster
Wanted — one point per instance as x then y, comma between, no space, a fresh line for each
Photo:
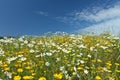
60,57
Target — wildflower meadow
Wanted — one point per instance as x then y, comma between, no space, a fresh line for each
60,57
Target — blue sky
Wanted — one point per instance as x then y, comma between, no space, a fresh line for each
36,17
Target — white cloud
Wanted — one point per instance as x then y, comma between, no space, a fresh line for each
42,13
112,26
103,14
98,19
104,20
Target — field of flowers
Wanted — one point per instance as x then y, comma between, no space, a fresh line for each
60,57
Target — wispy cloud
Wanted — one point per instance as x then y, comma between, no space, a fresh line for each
104,20
42,13
112,26
102,15
97,19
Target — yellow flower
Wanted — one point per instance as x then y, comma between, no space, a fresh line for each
58,76
17,65
98,78
93,61
98,60
117,64
33,74
117,71
14,73
5,65
109,71
108,64
6,68
28,67
42,78
17,78
85,59
19,61
31,70
27,77
0,62
20,70
24,63
80,68
82,65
